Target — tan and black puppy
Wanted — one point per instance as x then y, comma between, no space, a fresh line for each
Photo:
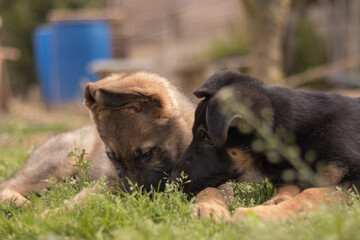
325,125
144,121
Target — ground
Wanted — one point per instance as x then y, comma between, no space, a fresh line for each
136,215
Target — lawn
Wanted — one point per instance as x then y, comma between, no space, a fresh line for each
139,215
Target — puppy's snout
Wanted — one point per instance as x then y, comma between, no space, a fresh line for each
119,173
174,177
176,172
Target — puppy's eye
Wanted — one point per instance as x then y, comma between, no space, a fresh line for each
203,135
207,138
148,153
111,155
93,107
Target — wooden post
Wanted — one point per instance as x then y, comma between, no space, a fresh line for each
268,19
6,53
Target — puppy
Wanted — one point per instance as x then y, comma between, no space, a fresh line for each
324,126
142,125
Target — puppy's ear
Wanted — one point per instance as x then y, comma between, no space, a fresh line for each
130,100
89,95
215,82
218,124
202,91
118,100
208,88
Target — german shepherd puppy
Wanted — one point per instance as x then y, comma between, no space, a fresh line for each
324,124
143,124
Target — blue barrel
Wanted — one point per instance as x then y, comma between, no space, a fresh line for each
66,49
43,58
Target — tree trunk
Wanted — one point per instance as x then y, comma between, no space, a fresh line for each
267,20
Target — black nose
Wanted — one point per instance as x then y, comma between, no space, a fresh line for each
119,172
174,176
174,173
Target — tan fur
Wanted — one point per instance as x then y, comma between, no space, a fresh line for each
49,160
123,129
211,203
283,193
289,201
168,127
331,175
306,201
244,164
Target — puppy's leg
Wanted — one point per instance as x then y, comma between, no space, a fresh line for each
78,200
32,178
283,193
9,195
49,160
305,201
211,203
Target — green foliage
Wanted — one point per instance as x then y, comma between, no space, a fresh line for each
237,43
181,181
20,17
11,159
68,187
165,215
82,165
27,129
309,49
13,149
250,194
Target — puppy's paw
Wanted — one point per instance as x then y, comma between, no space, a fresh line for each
211,210
46,213
51,212
284,193
258,211
276,200
15,197
263,213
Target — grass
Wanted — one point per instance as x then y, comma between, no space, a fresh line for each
153,215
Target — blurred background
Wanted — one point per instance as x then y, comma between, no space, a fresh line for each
49,49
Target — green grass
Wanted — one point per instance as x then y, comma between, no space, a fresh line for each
13,147
140,215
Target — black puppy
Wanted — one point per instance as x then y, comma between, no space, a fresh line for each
325,125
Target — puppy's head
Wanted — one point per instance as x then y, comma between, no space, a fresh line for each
136,118
219,151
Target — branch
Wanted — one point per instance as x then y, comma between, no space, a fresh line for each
321,71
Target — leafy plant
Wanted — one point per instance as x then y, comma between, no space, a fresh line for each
81,165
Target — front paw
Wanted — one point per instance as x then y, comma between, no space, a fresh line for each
241,213
15,197
51,212
211,210
263,213
276,200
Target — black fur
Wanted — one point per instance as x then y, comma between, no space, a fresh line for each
325,123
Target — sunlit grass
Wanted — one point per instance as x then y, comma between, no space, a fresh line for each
26,129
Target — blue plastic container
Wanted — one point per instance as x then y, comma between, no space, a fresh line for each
41,42
63,52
